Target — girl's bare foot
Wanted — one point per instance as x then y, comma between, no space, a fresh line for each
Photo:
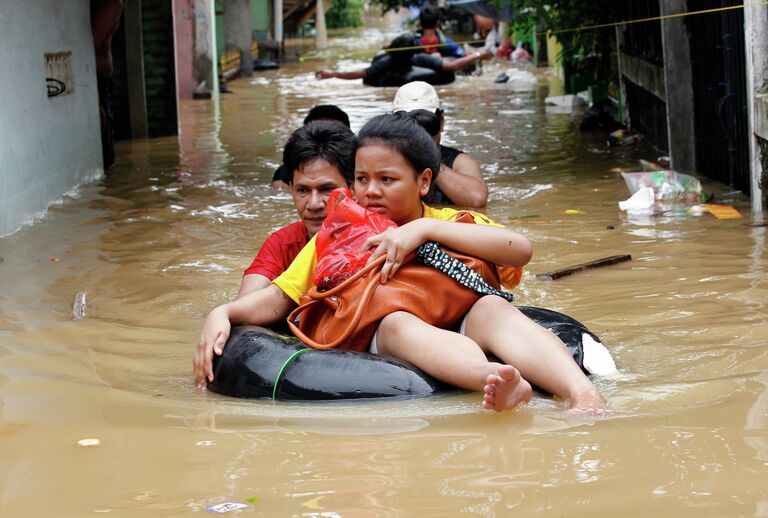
587,403
506,389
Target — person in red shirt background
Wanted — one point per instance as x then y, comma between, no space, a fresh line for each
321,158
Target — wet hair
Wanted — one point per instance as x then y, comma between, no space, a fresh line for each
329,140
428,17
405,136
402,58
327,112
426,119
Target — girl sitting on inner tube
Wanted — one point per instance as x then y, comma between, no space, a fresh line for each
394,167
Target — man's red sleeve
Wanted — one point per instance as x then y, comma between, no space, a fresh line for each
268,262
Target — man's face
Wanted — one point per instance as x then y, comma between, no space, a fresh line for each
312,184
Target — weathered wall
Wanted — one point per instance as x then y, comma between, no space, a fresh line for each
678,87
204,61
260,18
237,32
47,145
184,46
756,44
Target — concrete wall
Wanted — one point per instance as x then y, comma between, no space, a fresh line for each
47,145
260,18
193,45
756,35
184,46
237,32
678,81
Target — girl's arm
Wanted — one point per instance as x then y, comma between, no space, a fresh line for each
262,307
498,245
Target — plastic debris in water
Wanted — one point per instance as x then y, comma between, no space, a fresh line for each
696,210
623,137
225,507
78,309
667,185
53,259
574,212
640,201
722,211
88,442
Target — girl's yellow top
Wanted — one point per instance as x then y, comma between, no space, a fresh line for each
295,280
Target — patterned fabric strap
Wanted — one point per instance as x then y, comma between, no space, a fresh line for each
431,254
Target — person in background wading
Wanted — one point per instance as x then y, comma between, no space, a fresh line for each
389,67
460,181
321,112
105,20
429,19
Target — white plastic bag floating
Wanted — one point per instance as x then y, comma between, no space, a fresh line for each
522,80
565,100
667,185
641,201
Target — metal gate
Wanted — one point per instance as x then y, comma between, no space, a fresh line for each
720,93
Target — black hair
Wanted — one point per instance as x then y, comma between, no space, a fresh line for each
408,138
329,140
327,112
402,58
427,120
428,17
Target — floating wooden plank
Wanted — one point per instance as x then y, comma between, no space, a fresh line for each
745,224
723,211
606,261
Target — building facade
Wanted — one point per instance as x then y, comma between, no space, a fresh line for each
696,87
50,137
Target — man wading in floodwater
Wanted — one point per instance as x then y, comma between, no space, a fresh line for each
321,158
390,67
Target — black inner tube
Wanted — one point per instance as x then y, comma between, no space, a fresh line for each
259,363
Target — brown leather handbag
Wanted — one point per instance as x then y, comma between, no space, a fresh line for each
348,315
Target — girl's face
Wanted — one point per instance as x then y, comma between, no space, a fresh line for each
385,182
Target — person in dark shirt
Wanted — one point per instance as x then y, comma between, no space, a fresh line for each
388,68
460,181
105,20
429,19
322,112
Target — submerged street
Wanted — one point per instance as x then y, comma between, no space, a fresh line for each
166,236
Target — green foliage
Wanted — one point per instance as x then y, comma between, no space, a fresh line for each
344,13
586,54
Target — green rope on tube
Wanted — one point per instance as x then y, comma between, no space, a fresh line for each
282,370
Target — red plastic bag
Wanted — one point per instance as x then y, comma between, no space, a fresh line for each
346,227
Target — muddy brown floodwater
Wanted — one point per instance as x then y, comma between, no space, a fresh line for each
166,237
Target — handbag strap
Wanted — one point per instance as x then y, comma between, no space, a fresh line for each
316,296
432,255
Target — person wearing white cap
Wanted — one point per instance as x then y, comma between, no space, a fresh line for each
460,181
